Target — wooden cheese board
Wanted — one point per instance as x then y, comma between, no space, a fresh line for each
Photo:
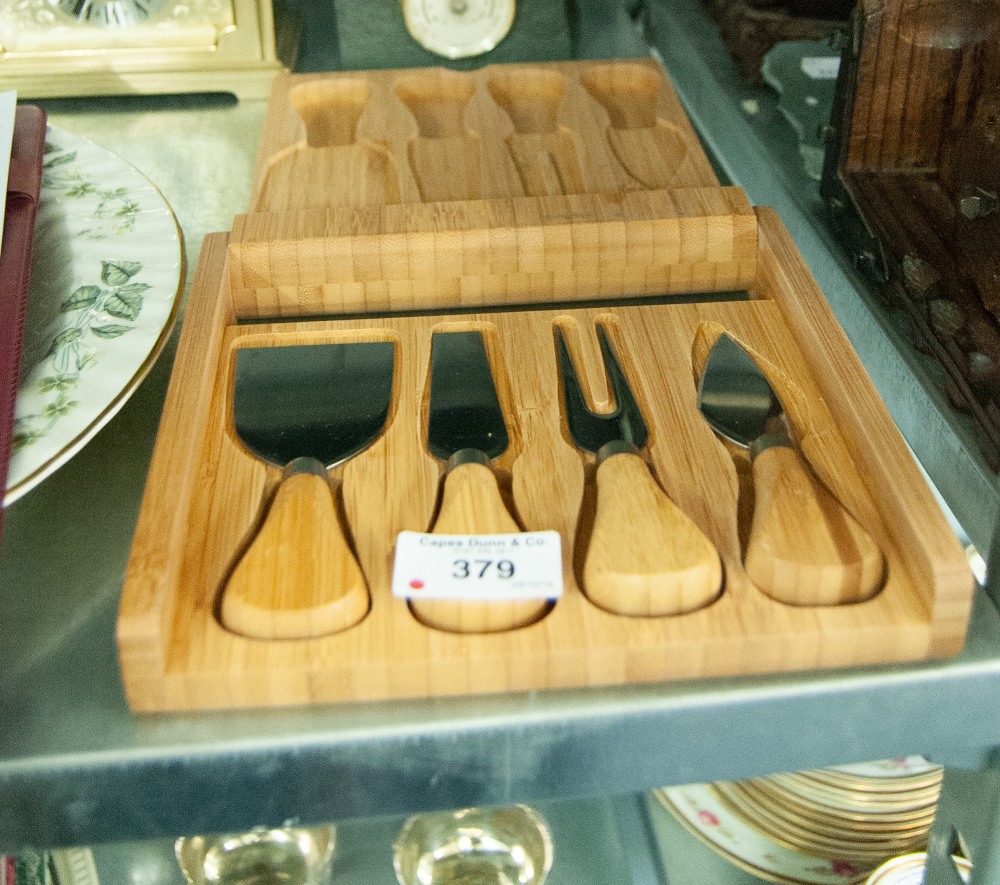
204,493
402,190
208,495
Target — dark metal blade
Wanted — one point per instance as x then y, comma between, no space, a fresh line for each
733,394
465,410
326,401
591,430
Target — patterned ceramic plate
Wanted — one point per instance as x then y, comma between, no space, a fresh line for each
848,801
862,853
700,810
902,774
106,282
899,767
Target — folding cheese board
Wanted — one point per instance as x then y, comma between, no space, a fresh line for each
526,204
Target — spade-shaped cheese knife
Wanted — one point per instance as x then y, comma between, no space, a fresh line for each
646,556
804,547
307,408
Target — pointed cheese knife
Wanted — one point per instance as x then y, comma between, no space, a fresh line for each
804,547
466,429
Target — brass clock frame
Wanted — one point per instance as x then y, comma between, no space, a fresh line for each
188,46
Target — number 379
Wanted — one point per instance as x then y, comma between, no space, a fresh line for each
482,568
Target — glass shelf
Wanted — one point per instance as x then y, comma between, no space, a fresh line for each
76,767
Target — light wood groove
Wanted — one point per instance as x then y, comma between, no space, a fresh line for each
626,234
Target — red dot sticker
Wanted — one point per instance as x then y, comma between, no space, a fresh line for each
417,584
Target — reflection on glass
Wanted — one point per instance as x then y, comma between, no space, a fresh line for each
284,856
474,846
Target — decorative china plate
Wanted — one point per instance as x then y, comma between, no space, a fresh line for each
106,282
906,770
701,812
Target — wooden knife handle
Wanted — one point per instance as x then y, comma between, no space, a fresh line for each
646,556
471,504
299,578
804,547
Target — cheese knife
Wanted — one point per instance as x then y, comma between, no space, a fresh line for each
305,408
804,547
466,430
645,556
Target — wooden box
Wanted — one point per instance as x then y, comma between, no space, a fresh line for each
207,495
912,180
430,188
752,28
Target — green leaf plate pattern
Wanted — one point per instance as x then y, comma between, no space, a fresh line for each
106,283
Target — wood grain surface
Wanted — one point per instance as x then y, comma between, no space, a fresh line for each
204,493
298,577
662,564
431,188
920,161
804,548
472,504
385,194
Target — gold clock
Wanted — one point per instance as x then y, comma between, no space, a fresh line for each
458,28
54,48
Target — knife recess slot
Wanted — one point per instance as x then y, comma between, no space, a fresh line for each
543,150
445,156
330,109
803,545
261,623
304,408
583,342
469,503
640,555
341,169
477,344
653,152
487,240
467,431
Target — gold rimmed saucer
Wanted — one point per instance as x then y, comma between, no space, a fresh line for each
905,773
823,824
804,838
886,787
859,828
847,809
863,802
699,811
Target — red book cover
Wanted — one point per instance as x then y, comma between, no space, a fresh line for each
24,184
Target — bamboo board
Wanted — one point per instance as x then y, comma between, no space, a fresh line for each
410,189
205,491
